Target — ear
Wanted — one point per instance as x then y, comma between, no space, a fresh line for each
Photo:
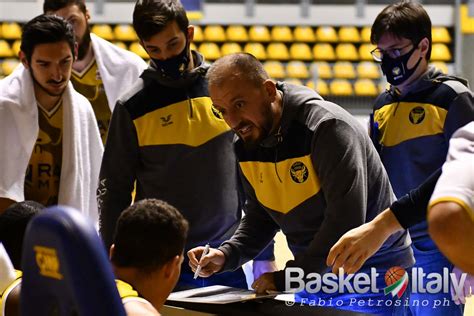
24,60
190,34
76,50
88,15
111,251
424,46
172,267
270,88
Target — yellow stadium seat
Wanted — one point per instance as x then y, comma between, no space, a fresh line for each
210,51
369,70
365,87
214,33
320,86
346,51
324,51
259,33
365,34
5,50
297,69
383,86
237,33
349,34
321,69
277,51
440,52
344,70
281,34
304,34
138,49
274,69
294,81
230,48
326,34
440,34
198,36
300,51
11,30
193,46
120,44
364,51
16,48
256,49
9,65
341,87
441,65
125,32
103,30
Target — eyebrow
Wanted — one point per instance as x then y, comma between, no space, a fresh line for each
49,61
154,46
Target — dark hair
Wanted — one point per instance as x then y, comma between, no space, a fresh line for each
241,64
45,29
406,19
13,222
152,16
55,5
149,233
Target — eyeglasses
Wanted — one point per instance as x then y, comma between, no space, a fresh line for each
378,53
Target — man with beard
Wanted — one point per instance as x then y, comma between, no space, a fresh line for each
166,137
309,169
102,71
48,130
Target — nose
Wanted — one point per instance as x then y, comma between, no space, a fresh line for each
232,120
56,73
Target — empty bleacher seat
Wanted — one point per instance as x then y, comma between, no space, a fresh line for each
198,36
297,69
320,86
8,65
326,34
365,34
259,33
347,51
364,51
230,48
300,51
11,30
16,48
368,69
365,87
304,34
192,46
344,70
256,49
281,34
277,51
294,81
237,33
275,69
125,32
138,49
103,30
341,87
210,51
321,69
214,33
5,49
349,34
440,52
324,51
440,34
120,44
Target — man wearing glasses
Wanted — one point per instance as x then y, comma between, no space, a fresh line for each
413,121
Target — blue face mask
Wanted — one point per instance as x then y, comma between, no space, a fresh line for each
396,70
174,67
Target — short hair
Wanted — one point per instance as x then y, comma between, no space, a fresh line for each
45,29
240,64
152,16
13,222
148,234
406,19
55,5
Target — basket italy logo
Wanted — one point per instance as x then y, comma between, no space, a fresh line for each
396,279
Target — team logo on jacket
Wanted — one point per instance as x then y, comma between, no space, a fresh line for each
299,172
166,120
396,71
417,115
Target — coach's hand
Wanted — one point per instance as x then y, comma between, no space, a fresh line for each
210,263
266,282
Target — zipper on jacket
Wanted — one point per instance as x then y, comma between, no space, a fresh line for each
190,103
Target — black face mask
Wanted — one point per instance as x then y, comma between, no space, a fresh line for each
174,67
396,70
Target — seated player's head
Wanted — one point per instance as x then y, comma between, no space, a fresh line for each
13,222
148,247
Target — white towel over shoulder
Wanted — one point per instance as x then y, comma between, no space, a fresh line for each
82,145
